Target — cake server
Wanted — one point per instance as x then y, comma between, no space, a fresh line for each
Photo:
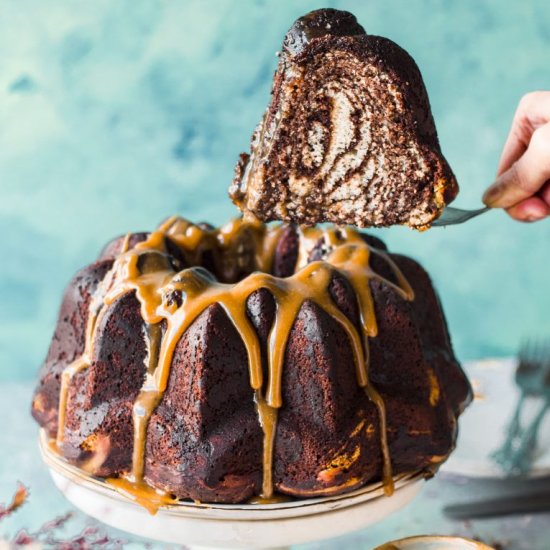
453,216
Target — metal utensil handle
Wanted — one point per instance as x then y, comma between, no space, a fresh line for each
507,505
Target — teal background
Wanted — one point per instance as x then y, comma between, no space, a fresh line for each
114,115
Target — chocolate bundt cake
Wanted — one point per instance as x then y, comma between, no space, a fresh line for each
223,364
349,136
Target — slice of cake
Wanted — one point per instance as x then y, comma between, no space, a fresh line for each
348,138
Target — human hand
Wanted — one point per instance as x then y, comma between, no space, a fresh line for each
522,186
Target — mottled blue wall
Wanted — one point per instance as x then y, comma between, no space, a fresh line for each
115,114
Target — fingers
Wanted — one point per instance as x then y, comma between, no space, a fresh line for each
533,111
526,176
523,183
529,210
533,208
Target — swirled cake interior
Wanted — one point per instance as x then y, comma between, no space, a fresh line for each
348,137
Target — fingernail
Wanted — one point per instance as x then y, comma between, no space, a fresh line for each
534,214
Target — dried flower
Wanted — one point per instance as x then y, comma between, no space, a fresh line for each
90,538
19,498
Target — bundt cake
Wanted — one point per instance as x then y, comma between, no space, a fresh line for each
225,364
348,137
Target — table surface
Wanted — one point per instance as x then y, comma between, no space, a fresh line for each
20,460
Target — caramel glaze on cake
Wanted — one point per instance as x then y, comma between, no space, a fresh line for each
348,137
225,364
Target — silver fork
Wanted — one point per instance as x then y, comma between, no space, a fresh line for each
533,379
453,216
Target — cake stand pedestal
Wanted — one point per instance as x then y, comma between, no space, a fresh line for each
244,526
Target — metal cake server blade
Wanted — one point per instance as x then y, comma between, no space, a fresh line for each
453,216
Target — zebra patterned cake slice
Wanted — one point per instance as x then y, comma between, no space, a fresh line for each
348,138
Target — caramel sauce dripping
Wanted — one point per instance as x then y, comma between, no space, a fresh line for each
236,248
276,498
84,361
69,372
141,493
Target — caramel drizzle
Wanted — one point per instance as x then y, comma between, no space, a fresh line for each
347,253
85,360
80,364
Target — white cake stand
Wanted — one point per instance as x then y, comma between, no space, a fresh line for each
252,526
